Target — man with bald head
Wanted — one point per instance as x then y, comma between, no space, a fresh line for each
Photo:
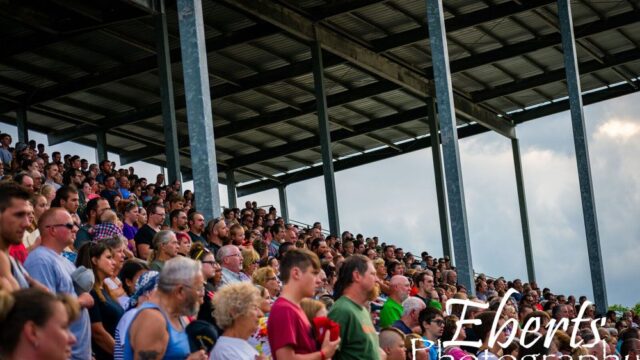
47,265
392,309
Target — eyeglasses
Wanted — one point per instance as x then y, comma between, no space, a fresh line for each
69,226
200,290
210,262
438,322
238,255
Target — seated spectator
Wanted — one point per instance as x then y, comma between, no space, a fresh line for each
392,343
409,322
35,324
230,258
266,277
106,312
237,312
165,247
448,334
250,262
392,308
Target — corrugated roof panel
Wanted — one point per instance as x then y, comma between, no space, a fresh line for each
357,26
417,54
294,93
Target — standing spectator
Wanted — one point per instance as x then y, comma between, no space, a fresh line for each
67,198
110,191
144,236
14,221
157,330
266,277
356,282
392,308
47,265
212,273
165,247
178,220
250,262
288,327
105,170
237,312
106,311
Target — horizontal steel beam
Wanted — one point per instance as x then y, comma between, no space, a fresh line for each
459,22
138,67
422,143
540,42
354,161
549,77
363,57
259,121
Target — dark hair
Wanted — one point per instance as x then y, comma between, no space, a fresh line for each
450,327
28,305
275,228
174,214
63,194
357,262
129,270
10,191
483,329
87,252
300,258
427,315
192,214
92,205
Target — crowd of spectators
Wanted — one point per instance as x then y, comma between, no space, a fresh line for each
101,263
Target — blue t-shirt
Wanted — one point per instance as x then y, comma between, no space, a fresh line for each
54,272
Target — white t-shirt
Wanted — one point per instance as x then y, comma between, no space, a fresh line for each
228,348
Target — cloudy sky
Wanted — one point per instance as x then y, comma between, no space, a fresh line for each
395,199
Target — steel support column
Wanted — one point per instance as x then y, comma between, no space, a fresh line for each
101,145
325,138
451,154
434,129
231,189
582,156
284,205
198,100
522,202
21,125
166,92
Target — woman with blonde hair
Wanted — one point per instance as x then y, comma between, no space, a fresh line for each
49,192
266,277
313,308
237,312
250,262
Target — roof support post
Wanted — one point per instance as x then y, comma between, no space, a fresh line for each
451,153
166,92
198,100
284,205
439,178
231,189
325,138
101,145
21,124
582,156
522,202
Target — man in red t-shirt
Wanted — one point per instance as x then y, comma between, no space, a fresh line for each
289,330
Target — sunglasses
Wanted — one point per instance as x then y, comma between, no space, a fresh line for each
69,226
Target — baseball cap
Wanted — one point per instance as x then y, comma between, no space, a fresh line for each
202,336
83,280
20,147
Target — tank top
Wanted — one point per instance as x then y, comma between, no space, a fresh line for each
178,346
19,273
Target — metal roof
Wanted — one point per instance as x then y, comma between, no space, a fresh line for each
79,67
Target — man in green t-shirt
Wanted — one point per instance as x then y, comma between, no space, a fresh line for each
392,308
354,287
